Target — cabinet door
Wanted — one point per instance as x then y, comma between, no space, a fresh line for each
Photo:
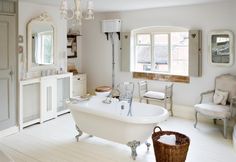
28,112
48,98
63,93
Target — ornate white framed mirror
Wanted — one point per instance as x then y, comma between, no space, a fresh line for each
221,47
41,38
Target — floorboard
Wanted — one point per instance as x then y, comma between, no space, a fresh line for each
54,141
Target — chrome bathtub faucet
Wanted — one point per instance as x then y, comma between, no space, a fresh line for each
113,94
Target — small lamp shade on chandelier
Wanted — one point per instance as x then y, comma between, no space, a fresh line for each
76,13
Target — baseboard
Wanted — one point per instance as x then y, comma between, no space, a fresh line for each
187,112
9,131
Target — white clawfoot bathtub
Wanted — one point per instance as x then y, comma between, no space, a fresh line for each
110,121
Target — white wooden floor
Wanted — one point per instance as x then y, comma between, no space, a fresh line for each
54,141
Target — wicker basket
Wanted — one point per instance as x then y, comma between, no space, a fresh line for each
170,153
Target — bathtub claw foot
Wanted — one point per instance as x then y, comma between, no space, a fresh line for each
133,145
80,133
148,145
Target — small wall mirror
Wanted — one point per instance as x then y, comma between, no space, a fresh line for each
221,47
41,42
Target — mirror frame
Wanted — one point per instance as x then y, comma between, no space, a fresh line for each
231,46
43,18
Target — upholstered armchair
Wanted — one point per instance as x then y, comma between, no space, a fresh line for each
222,104
164,96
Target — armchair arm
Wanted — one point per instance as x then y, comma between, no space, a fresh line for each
205,93
232,101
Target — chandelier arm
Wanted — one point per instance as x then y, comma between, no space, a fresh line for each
77,13
72,16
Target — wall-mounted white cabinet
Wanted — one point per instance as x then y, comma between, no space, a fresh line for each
43,98
79,85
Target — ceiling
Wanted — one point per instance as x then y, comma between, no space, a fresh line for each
123,5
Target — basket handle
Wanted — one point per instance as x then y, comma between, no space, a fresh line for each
154,130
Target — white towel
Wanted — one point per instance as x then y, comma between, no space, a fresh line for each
168,139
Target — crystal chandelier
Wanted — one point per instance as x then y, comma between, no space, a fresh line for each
76,13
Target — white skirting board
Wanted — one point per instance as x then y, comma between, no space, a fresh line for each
9,131
187,112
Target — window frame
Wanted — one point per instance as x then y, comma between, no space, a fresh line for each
144,45
42,35
152,45
169,51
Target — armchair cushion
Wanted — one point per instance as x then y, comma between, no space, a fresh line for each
220,97
155,95
212,110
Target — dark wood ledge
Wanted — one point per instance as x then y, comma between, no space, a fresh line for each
161,77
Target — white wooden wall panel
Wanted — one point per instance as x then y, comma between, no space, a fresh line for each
7,71
4,100
4,58
7,6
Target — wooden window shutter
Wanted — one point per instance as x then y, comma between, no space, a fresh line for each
125,52
195,53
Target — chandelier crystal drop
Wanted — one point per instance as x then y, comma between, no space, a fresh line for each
76,14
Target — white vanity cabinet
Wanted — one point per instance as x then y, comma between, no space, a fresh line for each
79,85
43,98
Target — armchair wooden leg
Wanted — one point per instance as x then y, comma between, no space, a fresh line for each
225,128
214,121
195,124
165,104
171,107
140,100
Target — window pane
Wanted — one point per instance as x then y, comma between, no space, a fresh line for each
143,58
161,52
143,39
161,39
47,48
179,50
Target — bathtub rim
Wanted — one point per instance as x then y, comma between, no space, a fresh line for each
134,119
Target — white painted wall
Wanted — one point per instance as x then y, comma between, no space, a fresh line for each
27,11
96,57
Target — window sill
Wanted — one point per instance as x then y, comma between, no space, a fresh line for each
161,77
